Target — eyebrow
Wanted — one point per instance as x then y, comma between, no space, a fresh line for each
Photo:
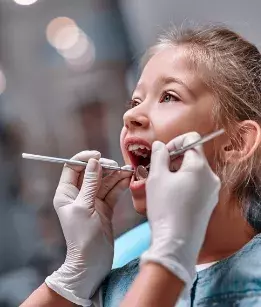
168,80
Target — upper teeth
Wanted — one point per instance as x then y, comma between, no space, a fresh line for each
133,147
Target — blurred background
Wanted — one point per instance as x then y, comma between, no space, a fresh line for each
67,69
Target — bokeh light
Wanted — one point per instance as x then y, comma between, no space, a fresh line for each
78,49
83,63
25,2
71,42
62,33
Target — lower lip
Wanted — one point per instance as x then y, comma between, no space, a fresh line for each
137,185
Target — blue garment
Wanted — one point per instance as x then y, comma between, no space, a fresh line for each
131,245
234,281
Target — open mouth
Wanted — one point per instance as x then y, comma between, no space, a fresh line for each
139,154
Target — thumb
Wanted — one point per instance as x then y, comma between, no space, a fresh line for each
91,183
159,158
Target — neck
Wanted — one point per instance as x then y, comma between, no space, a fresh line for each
227,232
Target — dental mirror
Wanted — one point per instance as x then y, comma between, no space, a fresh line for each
141,172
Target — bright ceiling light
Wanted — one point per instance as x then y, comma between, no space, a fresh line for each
25,2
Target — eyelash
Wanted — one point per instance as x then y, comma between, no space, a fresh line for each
133,103
176,98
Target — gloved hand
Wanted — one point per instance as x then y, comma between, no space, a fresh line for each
84,203
179,206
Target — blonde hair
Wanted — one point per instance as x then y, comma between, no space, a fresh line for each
231,68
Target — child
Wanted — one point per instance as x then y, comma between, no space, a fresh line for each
201,80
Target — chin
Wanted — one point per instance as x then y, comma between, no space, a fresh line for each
140,206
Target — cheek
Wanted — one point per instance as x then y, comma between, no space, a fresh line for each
122,137
172,123
170,120
181,120
212,152
184,117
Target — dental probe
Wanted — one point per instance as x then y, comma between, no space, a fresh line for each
142,171
73,162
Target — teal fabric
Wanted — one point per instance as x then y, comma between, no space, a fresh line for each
131,245
232,282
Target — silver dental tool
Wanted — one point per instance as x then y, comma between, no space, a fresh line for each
142,171
73,162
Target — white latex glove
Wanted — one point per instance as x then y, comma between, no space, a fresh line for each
179,206
84,205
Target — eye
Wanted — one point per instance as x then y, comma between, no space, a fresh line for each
133,103
167,98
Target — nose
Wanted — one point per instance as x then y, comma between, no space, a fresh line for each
135,119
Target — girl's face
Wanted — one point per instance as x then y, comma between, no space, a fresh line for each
169,100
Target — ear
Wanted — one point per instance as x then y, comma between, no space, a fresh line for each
246,139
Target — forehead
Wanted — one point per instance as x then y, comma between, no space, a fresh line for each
172,61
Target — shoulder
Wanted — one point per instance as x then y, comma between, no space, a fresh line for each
235,279
118,282
246,262
125,274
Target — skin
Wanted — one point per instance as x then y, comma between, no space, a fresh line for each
45,297
163,109
154,286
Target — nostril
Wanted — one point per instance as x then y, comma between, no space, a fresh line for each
135,123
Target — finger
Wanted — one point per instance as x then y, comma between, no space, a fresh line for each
159,158
71,173
176,163
193,158
108,162
118,191
105,171
109,182
179,142
183,140
91,183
